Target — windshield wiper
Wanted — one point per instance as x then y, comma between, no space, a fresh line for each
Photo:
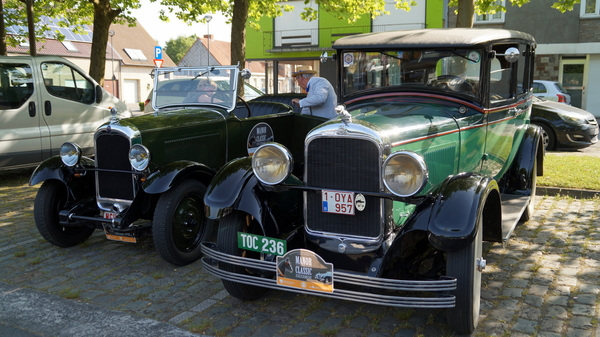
204,73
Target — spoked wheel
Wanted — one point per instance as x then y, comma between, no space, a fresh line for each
50,199
466,265
179,223
227,243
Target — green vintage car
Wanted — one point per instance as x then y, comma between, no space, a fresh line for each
433,153
156,166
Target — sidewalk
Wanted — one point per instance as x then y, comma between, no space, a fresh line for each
35,313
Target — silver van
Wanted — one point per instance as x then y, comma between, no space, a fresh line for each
44,102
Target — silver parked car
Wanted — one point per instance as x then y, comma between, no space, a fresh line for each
551,91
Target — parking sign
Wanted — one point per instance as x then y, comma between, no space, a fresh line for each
158,52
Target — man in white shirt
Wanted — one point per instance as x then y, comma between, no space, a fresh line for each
320,96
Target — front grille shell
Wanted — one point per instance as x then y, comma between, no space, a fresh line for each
346,158
115,179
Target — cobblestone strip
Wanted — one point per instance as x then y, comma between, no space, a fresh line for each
545,282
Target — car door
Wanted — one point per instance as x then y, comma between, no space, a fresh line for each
21,126
508,109
69,107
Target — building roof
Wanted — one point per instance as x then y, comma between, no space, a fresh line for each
126,41
220,52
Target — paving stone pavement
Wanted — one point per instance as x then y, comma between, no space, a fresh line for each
546,282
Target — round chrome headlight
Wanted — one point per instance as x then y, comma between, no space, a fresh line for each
70,154
139,157
405,173
272,163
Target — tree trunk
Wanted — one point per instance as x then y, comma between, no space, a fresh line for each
30,26
238,37
2,30
466,10
103,17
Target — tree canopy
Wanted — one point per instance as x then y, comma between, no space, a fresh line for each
103,13
178,47
74,14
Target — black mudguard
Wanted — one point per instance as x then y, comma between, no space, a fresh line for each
172,173
78,186
235,188
530,150
461,199
53,168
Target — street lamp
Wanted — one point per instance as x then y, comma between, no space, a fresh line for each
111,33
208,18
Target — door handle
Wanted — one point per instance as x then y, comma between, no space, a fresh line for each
47,108
31,109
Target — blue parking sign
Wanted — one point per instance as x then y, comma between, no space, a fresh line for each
158,52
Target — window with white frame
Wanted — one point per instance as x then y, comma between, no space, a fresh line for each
292,32
590,8
497,17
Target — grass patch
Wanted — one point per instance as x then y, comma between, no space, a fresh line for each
199,327
20,252
70,294
158,275
578,172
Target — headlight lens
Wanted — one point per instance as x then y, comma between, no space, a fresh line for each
272,163
70,154
573,119
405,173
139,157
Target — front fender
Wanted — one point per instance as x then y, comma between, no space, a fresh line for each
235,187
53,168
226,187
457,207
170,174
531,150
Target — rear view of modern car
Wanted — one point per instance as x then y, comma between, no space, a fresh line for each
552,91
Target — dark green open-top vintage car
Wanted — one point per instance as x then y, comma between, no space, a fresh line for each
157,166
432,153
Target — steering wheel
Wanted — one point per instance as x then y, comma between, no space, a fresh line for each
246,104
453,82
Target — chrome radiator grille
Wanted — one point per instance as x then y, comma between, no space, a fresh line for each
345,164
112,153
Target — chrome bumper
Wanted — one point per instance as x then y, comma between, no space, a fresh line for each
442,287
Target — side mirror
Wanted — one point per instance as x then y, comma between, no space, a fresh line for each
511,54
98,93
245,73
324,57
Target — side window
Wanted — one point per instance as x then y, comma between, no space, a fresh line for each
16,85
522,79
503,75
538,88
65,82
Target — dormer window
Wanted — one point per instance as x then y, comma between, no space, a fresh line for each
136,54
70,46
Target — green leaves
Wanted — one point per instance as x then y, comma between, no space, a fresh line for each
178,47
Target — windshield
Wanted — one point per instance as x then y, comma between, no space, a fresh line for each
456,70
176,87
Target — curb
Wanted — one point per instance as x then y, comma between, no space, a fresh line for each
561,191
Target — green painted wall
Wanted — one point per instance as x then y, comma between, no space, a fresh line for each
330,29
434,14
